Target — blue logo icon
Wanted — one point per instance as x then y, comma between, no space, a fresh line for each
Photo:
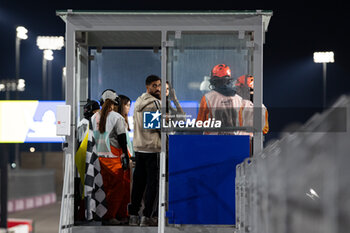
151,120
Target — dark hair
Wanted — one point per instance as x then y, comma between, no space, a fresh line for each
123,101
151,78
90,107
169,85
104,113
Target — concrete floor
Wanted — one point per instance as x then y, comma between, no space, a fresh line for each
46,219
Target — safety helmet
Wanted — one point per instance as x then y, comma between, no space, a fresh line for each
245,80
90,107
220,76
220,71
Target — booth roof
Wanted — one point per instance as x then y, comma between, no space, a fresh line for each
223,12
163,20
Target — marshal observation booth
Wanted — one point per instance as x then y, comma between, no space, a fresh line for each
118,50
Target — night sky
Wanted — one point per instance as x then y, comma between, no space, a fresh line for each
292,81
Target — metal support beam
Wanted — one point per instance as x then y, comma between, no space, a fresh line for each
44,79
162,167
49,80
258,88
67,216
71,85
82,76
18,58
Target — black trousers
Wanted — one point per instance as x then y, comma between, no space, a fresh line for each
145,180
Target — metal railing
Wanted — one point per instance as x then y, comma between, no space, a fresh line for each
300,183
67,204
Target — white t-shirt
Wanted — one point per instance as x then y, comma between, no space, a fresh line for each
115,125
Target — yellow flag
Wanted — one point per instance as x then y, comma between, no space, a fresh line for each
80,158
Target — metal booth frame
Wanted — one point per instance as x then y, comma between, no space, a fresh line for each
76,21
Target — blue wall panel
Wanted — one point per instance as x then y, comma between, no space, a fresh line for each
202,171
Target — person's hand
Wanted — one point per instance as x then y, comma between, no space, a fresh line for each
133,164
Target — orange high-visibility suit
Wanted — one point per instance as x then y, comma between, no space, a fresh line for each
116,181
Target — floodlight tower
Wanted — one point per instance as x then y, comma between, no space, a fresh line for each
20,35
324,58
47,44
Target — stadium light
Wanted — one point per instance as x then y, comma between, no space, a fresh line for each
48,54
8,85
47,44
22,33
324,58
50,42
21,84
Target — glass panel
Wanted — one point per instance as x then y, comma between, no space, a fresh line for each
192,58
123,70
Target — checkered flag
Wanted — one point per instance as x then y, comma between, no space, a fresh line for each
95,196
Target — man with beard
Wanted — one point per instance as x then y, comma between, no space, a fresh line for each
147,146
